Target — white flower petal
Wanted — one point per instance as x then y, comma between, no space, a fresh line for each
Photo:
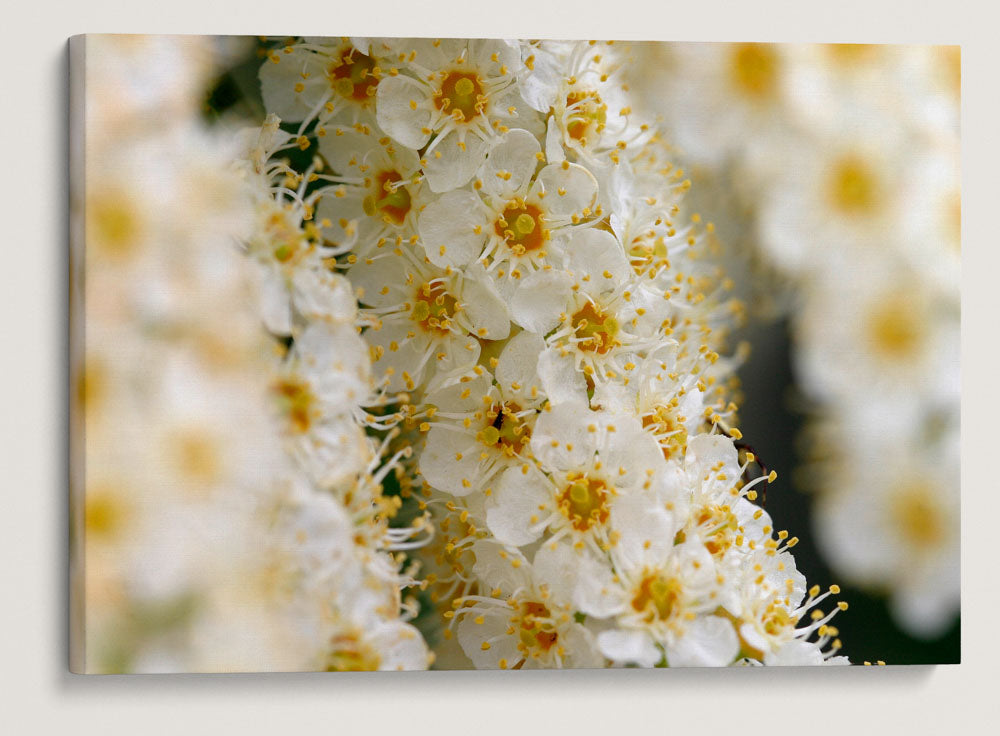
794,653
513,507
471,636
402,112
381,281
484,308
599,255
452,162
540,300
510,164
518,364
462,396
495,565
629,647
561,440
560,378
447,229
569,190
450,461
710,641
646,529
280,78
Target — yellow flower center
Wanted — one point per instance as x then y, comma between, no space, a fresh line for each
197,455
348,653
434,308
521,227
508,431
296,400
584,501
587,111
595,328
777,619
895,328
720,526
113,224
754,69
535,627
668,429
657,596
352,76
916,516
287,241
390,199
461,94
104,512
850,54
853,188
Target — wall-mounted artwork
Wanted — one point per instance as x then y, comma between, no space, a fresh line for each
398,354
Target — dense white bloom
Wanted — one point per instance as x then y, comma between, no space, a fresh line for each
515,221
425,318
587,463
493,372
324,79
237,521
463,93
528,619
481,428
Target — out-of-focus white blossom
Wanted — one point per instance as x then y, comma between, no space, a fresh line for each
841,160
230,513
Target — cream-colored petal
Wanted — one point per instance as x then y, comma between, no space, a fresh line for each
450,462
511,164
514,507
402,111
293,84
453,160
518,364
629,647
560,378
709,641
540,299
448,229
569,190
597,254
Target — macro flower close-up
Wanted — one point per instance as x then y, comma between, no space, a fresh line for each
410,353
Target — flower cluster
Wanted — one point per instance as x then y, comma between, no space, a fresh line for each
544,317
228,508
843,160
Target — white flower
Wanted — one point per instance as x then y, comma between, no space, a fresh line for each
460,92
377,189
890,518
661,598
318,393
480,429
527,620
580,88
587,463
718,99
596,317
894,333
332,80
426,319
515,220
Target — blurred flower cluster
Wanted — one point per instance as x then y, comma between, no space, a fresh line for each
545,317
228,504
835,168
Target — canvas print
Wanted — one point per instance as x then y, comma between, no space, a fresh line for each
398,354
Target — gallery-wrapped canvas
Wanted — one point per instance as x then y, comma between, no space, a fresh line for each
397,354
